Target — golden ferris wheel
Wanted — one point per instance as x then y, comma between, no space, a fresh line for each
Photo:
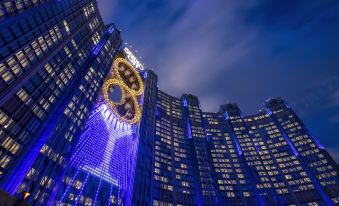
122,91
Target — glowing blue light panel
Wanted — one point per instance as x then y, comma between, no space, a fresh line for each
106,148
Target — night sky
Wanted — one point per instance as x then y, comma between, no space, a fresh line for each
241,51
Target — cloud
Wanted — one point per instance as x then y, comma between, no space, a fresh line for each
194,43
106,7
239,51
335,119
235,49
334,99
289,14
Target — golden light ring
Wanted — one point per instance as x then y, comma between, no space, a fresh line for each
112,105
135,73
106,86
137,113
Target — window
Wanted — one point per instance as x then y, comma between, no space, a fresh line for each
67,51
7,76
11,145
66,27
4,161
95,38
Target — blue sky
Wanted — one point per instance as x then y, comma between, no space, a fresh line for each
241,51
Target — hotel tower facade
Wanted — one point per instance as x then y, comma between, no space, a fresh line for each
82,122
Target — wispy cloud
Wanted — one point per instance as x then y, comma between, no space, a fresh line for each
240,51
335,119
190,43
195,43
334,99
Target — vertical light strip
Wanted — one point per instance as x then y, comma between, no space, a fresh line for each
104,147
80,192
69,184
96,193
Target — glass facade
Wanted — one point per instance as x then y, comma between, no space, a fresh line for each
82,122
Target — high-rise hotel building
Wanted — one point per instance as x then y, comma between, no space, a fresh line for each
82,122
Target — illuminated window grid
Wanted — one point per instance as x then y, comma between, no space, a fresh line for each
202,161
172,107
62,75
249,150
16,64
300,181
82,107
68,135
38,109
245,141
43,76
223,166
88,9
306,147
226,166
94,24
43,102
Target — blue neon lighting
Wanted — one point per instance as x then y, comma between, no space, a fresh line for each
189,132
68,187
105,147
111,29
237,146
102,42
184,102
82,189
226,116
98,47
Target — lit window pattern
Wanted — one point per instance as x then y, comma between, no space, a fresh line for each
231,174
40,93
15,65
280,162
68,30
94,24
89,9
50,60
96,38
196,129
276,159
172,166
318,168
10,7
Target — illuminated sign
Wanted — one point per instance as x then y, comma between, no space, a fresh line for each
107,146
134,61
122,91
